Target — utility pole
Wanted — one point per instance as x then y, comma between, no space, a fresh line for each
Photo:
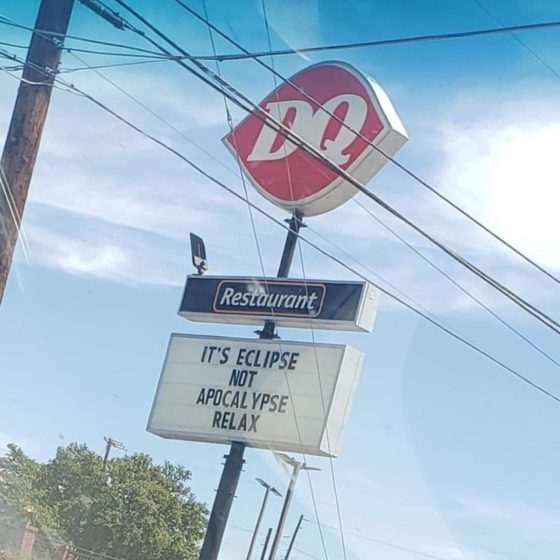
294,537
268,490
111,444
26,125
297,466
234,460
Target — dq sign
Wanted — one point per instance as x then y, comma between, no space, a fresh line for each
334,108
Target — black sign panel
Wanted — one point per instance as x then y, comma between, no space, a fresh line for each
270,297
289,302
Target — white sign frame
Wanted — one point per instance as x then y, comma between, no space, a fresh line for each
304,424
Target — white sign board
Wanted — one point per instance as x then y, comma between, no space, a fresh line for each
284,396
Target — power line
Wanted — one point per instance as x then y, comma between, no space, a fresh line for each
49,36
392,545
14,45
324,252
229,121
402,548
158,46
319,380
331,466
221,85
400,166
261,261
111,65
156,115
390,42
331,463
340,46
324,238
518,40
459,285
228,168
309,149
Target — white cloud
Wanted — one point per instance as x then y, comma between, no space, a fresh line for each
492,521
163,206
293,20
457,552
123,259
538,522
500,163
94,167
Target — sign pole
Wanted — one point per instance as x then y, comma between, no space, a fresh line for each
296,223
234,460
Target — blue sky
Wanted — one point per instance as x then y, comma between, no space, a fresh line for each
445,453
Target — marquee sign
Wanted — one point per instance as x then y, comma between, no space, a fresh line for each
285,396
290,303
290,177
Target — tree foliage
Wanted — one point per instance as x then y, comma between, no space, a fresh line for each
132,509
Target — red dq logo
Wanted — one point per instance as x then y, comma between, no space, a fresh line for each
292,178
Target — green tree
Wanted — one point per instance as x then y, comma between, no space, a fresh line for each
132,509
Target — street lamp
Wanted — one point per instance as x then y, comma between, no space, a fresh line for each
297,466
293,539
268,490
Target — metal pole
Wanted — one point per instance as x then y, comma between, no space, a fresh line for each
234,461
222,502
296,223
28,119
268,533
294,537
278,535
258,524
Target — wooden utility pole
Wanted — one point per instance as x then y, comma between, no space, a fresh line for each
28,120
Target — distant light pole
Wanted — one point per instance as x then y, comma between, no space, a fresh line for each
298,526
265,546
268,490
297,466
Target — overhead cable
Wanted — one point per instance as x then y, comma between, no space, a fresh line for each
319,249
390,42
300,90
221,85
395,162
209,176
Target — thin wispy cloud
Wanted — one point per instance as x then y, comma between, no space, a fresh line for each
499,162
